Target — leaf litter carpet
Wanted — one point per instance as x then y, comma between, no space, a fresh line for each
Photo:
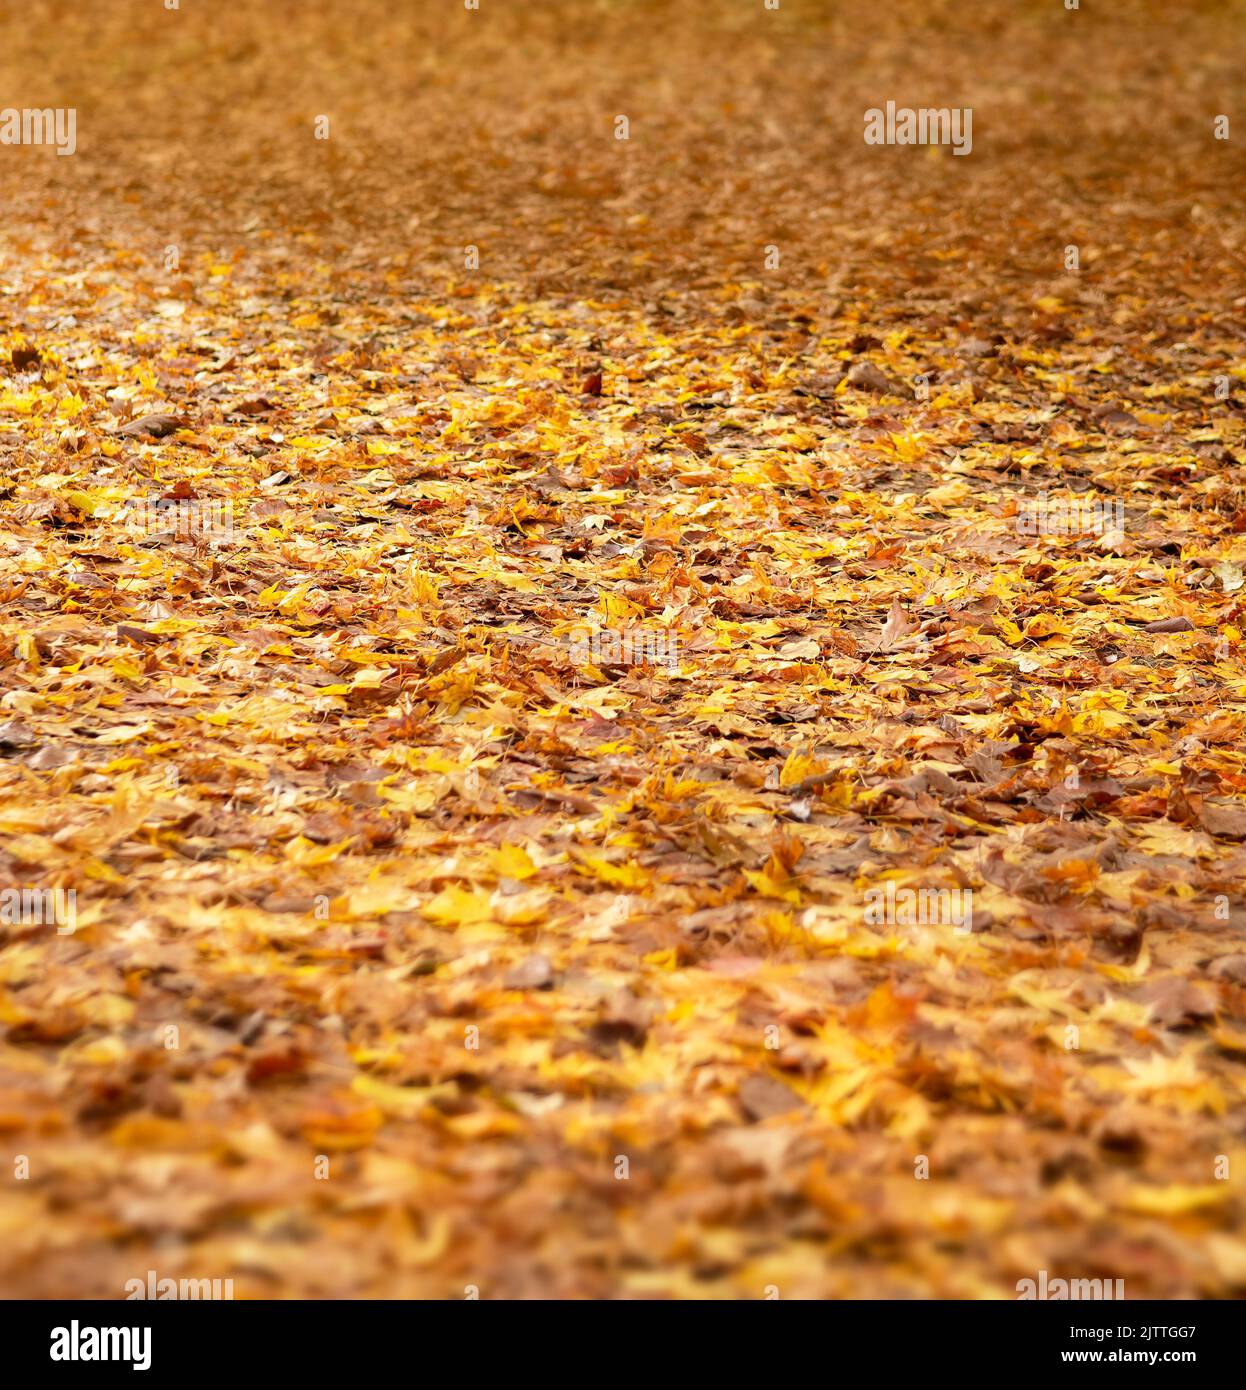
417,950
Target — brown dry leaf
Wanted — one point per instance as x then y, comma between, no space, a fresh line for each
896,629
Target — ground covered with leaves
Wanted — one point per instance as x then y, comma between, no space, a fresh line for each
414,950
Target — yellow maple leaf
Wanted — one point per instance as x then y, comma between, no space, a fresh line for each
512,861
455,906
